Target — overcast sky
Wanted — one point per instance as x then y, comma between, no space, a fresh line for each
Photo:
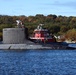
33,7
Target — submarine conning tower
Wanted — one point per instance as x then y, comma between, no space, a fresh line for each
16,35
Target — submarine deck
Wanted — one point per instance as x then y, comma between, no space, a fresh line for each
32,46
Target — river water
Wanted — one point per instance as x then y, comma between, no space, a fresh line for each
38,62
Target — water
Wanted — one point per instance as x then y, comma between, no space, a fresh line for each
38,62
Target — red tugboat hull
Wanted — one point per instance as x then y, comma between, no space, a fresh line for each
42,35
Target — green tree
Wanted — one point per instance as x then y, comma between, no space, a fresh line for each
64,29
54,29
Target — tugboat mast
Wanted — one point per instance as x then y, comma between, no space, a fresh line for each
40,26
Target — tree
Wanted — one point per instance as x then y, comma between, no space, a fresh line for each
54,29
71,34
64,29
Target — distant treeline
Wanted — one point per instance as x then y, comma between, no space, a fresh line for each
58,25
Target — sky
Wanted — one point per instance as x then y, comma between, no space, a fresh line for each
33,7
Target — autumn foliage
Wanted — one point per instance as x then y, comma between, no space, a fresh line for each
57,25
71,35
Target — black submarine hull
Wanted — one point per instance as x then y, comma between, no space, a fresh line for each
54,45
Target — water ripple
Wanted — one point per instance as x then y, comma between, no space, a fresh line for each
38,62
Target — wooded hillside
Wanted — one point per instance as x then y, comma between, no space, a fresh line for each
57,25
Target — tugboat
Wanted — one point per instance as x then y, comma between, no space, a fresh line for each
41,35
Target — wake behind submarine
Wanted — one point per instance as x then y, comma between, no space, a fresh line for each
17,39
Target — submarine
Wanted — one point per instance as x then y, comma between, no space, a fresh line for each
17,39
